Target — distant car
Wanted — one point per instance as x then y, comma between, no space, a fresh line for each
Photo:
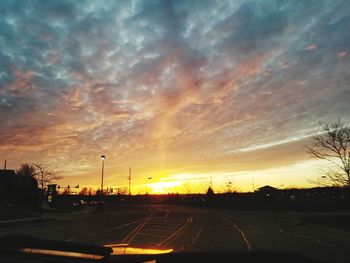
93,203
83,202
75,204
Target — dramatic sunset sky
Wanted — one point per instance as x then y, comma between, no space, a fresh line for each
182,91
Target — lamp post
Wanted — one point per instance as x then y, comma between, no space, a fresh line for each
103,157
149,178
229,185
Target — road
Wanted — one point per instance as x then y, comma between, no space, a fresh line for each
195,229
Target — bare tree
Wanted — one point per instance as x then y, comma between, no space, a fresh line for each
66,192
26,169
332,143
122,191
90,191
229,189
83,191
44,175
187,188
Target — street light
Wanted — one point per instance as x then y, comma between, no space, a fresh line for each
103,157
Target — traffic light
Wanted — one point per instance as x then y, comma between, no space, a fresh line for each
68,186
58,187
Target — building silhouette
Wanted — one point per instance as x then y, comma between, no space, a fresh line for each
16,188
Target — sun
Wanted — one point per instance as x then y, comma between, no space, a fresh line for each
165,187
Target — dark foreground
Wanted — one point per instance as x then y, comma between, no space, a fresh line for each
187,229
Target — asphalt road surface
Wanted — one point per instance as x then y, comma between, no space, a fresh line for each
195,229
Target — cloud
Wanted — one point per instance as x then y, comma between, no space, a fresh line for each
311,47
341,54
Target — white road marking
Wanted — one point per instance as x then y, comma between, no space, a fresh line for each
177,232
158,226
249,247
133,233
105,230
196,237
248,224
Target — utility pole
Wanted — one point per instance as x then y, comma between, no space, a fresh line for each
253,185
129,180
42,195
5,165
103,157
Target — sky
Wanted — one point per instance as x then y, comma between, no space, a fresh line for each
184,92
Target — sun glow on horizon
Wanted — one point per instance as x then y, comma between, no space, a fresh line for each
165,187
301,174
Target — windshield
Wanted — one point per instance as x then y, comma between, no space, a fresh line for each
181,126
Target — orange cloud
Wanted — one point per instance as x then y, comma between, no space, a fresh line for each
341,54
22,84
311,47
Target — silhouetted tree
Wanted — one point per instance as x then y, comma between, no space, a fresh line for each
106,191
187,188
229,188
210,191
122,191
99,192
41,173
25,181
26,169
83,191
66,191
332,143
90,191
44,175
